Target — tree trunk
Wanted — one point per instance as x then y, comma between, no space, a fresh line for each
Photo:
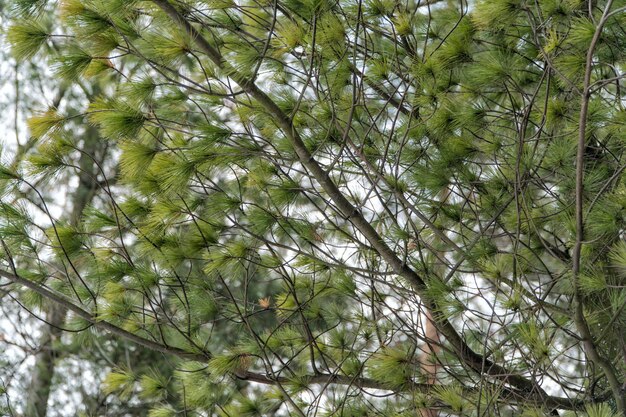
45,358
43,371
428,361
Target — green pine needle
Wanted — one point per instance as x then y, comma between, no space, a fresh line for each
72,64
27,37
45,123
119,381
115,118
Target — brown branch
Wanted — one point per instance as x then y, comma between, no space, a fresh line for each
579,317
100,324
507,396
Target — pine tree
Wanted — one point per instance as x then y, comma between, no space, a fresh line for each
297,188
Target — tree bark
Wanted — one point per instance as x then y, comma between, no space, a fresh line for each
428,359
45,359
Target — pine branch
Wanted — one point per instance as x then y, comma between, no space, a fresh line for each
579,318
100,324
469,357
511,396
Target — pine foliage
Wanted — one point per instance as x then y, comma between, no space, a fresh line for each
291,188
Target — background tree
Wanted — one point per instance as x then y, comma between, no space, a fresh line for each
297,188
53,384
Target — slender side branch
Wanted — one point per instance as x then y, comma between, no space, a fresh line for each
579,318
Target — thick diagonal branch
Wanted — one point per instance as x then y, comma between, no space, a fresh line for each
466,355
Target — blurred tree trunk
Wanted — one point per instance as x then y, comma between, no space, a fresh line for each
43,370
48,350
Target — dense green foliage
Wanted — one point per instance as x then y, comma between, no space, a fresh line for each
283,192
